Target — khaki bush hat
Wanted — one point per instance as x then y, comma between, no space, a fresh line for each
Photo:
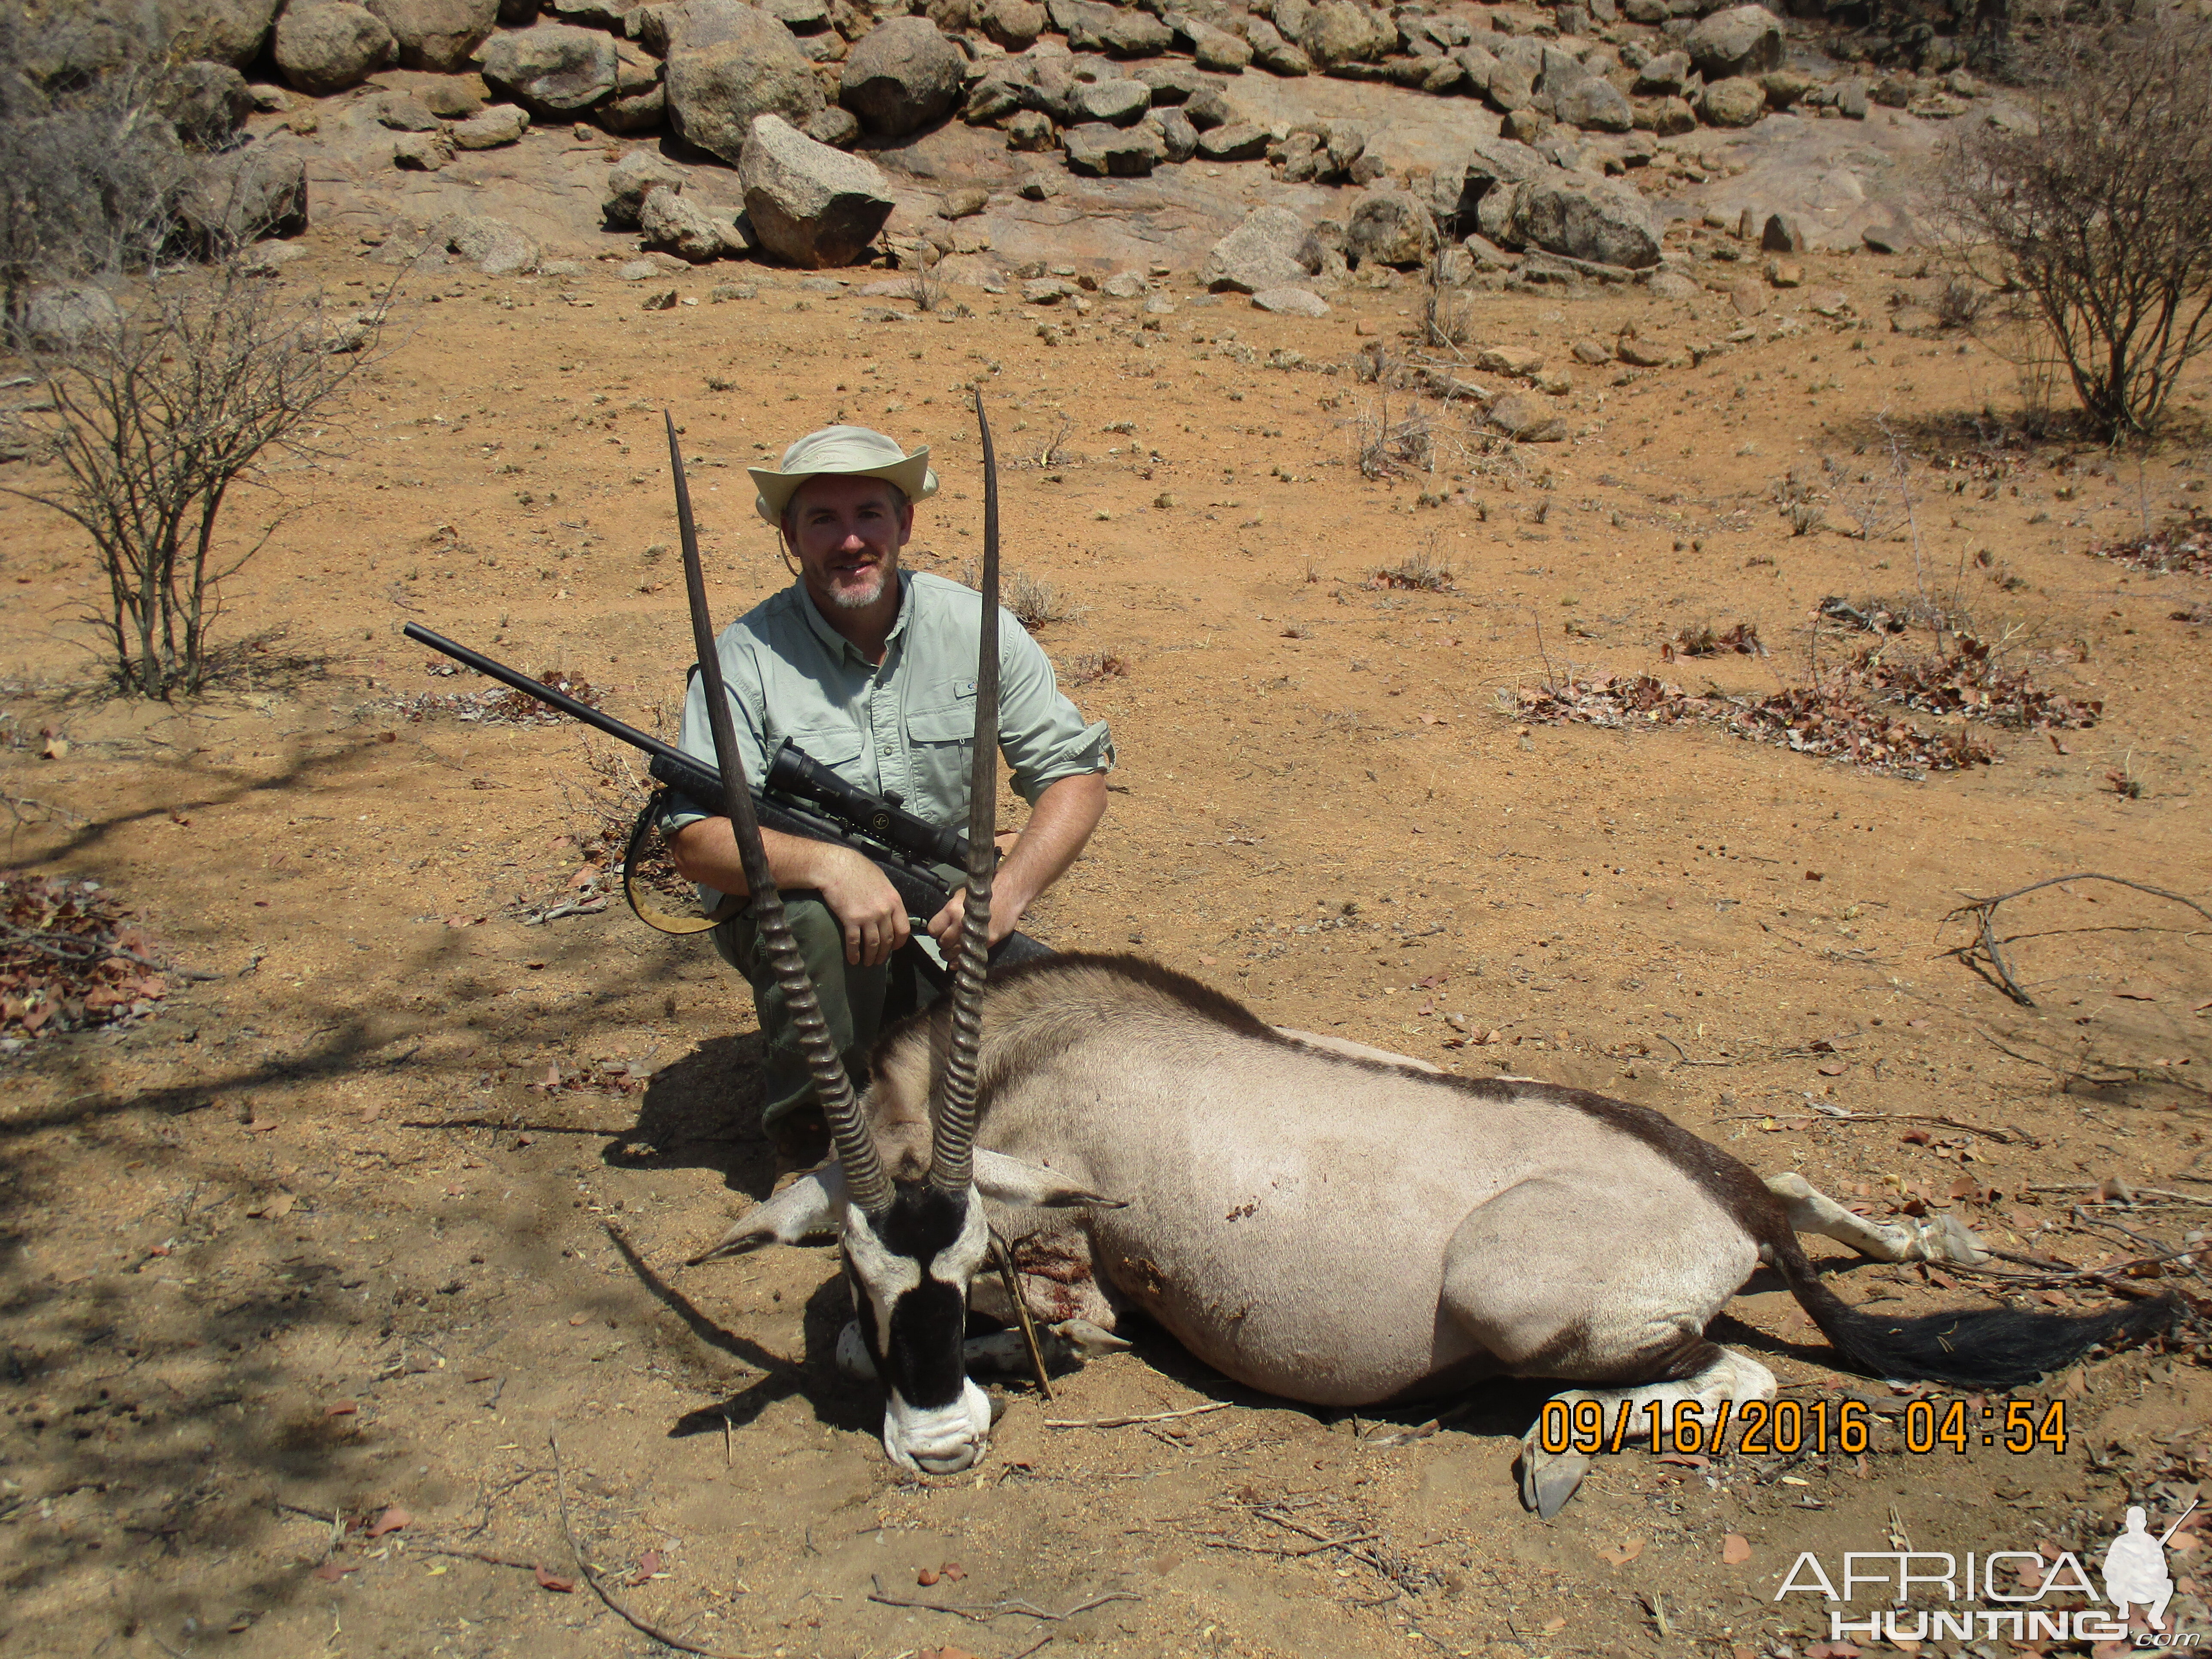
853,450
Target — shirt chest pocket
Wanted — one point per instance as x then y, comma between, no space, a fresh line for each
941,734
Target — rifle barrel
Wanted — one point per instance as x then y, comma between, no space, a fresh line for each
572,707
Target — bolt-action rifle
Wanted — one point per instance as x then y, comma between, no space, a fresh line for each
802,796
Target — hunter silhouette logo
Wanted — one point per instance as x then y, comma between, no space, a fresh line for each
2135,1569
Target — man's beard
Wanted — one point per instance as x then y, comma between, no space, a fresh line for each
846,598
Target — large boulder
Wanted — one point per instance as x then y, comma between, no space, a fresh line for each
242,196
1741,41
437,35
327,46
1585,218
730,67
1270,249
68,316
1593,104
207,103
1118,103
1104,151
810,204
1337,32
902,76
1391,227
491,129
552,69
1491,162
1235,141
230,32
1663,76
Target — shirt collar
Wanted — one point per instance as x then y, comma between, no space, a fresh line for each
835,643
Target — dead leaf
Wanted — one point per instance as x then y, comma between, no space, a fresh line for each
926,1577
1736,1549
1914,1137
553,1581
56,748
1814,875
1553,1626
1629,1550
648,1566
274,1207
342,1409
391,1521
331,1572
1833,1068
1684,1460
2135,991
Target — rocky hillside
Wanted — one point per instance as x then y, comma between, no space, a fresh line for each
985,137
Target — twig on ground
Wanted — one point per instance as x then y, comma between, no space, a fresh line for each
2004,1136
1128,1422
1982,909
1300,1551
984,1612
592,1577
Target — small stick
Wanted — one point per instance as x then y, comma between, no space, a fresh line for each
484,1556
1034,1646
983,1612
592,1577
1126,1422
1983,909
1304,1550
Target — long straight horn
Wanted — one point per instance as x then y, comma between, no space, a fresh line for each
952,1152
865,1180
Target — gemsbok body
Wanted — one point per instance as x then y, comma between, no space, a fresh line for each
1324,1222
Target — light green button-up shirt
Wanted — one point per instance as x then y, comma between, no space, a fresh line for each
908,725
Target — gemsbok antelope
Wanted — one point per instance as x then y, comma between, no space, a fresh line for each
1326,1223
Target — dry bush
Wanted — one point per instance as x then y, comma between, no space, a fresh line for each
1096,666
1421,572
152,419
2100,212
1863,496
1035,602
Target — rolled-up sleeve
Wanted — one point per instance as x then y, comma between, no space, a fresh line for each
748,706
1043,735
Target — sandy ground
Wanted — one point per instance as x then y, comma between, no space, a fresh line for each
384,1210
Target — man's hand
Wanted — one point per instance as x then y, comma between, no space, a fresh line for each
865,903
945,926
1062,820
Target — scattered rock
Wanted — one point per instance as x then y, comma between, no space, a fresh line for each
1031,133
1595,105
966,201
453,98
437,35
1390,227
1785,273
422,152
501,124
1091,27
1645,354
1239,141
725,69
1038,187
1336,33
1662,76
1101,150
903,75
402,112
1270,249
325,48
1520,362
1784,233
1851,100
834,125
662,299
63,316
1589,352
1291,302
671,224
1013,24
1118,103
1666,117
1122,285
630,180
1672,285
492,246
1525,421
810,204
551,69
1177,136
1736,102
1047,290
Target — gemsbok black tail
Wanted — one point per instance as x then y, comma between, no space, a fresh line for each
1974,1348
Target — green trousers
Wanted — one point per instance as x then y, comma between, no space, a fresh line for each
858,1004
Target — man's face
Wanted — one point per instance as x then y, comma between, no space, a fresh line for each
848,532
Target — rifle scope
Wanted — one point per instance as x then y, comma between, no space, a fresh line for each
794,772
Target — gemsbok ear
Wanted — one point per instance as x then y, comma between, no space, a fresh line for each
1010,1180
808,1209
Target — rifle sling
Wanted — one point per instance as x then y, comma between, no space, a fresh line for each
643,908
